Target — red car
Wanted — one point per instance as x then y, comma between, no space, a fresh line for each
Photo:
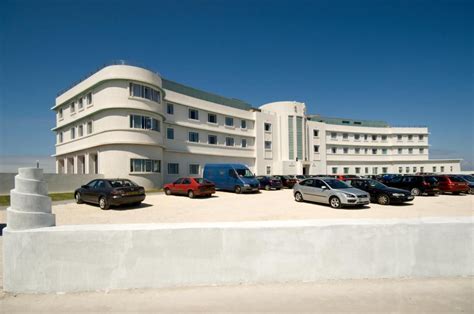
191,187
452,184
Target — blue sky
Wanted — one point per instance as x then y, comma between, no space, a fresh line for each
405,62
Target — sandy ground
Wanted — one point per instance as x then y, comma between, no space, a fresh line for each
449,295
267,205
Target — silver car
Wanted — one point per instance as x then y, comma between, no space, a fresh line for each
329,191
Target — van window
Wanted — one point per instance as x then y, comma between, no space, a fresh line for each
244,173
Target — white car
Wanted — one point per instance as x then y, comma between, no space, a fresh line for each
329,191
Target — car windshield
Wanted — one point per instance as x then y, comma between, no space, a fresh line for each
202,181
457,179
336,184
468,178
275,178
244,173
430,179
376,184
121,183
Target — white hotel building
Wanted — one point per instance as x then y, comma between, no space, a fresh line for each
127,121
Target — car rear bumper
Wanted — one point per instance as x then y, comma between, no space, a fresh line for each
126,200
204,192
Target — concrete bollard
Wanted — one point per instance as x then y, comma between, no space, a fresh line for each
30,205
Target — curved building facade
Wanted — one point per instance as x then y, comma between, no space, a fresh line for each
127,121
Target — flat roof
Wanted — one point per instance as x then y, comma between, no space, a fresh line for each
345,121
200,94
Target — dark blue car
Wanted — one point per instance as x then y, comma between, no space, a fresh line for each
268,183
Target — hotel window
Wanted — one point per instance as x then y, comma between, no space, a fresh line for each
384,151
357,137
345,136
366,151
366,170
80,130
269,169
422,150
410,137
384,169
384,137
422,169
334,150
229,121
137,90
146,123
366,137
374,137
316,148
193,114
243,143
421,137
73,133
334,170
357,169
170,133
72,107
434,169
212,118
315,133
193,137
89,127
400,151
357,150
173,168
79,103
400,169
410,150
60,139
145,165
212,139
414,169
169,108
407,169
345,150
60,113
374,151
442,169
229,141
375,170
193,168
399,137
89,98
333,135
451,168
346,170
243,124
268,145
267,127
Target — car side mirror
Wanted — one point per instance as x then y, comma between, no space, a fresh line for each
324,187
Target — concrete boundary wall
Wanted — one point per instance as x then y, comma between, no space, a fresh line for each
101,257
56,182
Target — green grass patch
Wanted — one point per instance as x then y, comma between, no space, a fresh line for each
5,199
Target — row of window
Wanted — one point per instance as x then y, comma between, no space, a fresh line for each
154,166
194,137
85,99
142,91
373,151
366,137
143,122
358,170
79,133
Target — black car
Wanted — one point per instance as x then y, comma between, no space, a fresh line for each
417,185
380,193
107,192
267,182
287,181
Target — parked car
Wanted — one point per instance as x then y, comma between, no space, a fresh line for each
191,187
384,178
110,192
470,181
267,183
452,184
329,191
231,177
300,177
417,185
287,181
380,193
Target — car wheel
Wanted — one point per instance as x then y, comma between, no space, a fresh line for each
267,187
238,189
335,202
103,203
78,198
167,191
383,199
190,194
298,197
415,192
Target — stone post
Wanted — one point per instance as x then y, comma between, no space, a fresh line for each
30,205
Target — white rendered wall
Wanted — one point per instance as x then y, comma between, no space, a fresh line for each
102,257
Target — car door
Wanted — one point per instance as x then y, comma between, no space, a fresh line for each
88,190
320,191
174,188
184,186
97,190
308,190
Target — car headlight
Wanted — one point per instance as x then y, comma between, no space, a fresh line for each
398,194
246,185
349,195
